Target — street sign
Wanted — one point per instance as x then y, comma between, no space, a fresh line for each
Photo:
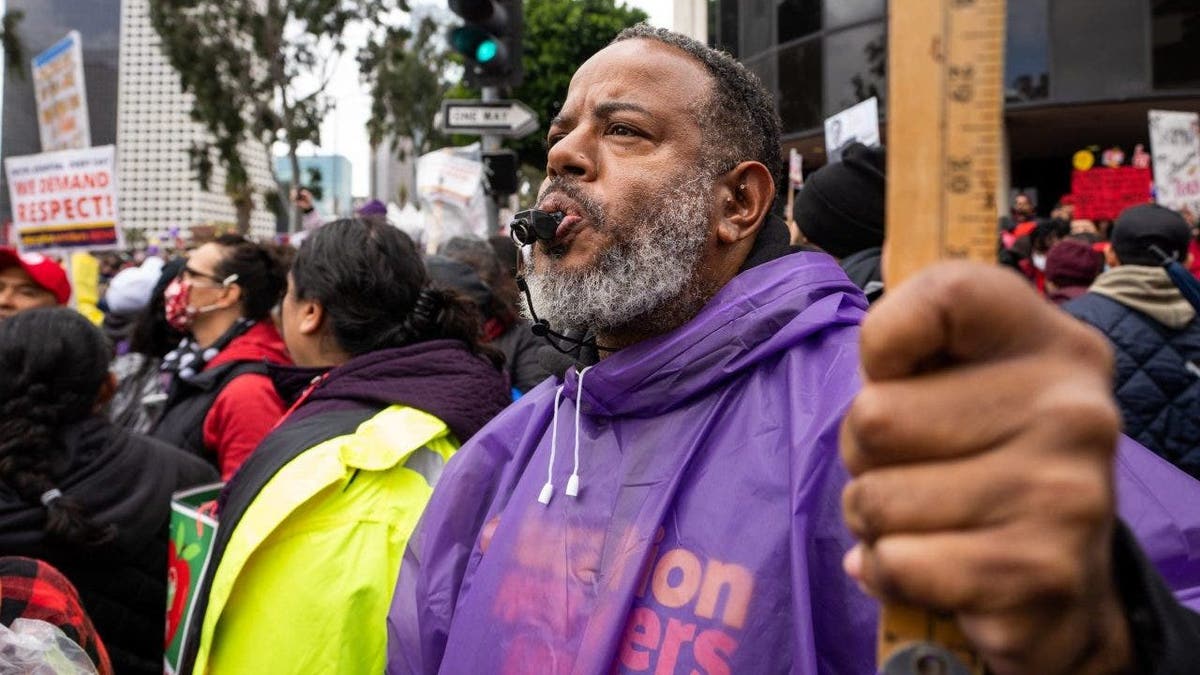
501,118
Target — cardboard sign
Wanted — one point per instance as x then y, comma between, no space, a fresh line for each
1175,145
193,530
61,96
65,200
856,124
1103,193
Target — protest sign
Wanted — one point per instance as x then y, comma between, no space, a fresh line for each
65,200
1102,193
450,187
1175,144
61,96
796,169
856,124
192,531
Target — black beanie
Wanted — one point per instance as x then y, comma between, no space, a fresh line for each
841,207
1140,227
461,277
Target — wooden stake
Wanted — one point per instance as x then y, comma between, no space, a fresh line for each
945,110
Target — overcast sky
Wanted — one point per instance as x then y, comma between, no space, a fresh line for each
344,131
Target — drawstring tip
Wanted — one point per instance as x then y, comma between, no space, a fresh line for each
547,491
573,485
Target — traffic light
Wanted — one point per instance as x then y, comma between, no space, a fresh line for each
490,40
500,172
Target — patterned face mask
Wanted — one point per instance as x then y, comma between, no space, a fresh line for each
178,310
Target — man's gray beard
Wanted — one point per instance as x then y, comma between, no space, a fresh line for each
647,278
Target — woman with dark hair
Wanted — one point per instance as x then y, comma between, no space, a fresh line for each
220,402
141,392
314,525
88,497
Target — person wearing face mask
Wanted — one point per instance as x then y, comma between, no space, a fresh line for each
220,402
392,377
1033,250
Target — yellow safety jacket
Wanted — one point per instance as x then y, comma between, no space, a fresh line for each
306,579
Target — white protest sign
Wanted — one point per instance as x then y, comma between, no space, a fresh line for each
61,96
856,124
1175,144
65,200
450,187
796,169
444,175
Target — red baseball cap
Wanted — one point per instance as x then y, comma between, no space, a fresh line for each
44,271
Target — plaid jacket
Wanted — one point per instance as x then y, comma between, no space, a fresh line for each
32,589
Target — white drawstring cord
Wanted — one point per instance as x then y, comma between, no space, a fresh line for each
573,481
548,488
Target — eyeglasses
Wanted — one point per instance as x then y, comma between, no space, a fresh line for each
224,283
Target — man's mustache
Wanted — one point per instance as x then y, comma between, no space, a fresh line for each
588,206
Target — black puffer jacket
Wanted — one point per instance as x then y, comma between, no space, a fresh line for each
126,480
1156,336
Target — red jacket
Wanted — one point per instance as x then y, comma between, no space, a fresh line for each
248,407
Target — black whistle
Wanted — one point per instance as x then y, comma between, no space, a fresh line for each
531,225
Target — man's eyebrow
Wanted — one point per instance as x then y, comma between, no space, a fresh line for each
607,108
602,110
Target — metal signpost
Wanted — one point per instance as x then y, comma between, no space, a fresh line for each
492,119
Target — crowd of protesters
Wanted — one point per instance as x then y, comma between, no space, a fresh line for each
388,427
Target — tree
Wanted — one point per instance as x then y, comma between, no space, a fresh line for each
243,61
406,70
10,42
559,36
315,184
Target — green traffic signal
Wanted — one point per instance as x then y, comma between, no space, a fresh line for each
486,51
489,40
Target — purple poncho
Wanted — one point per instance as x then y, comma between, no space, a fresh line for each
706,536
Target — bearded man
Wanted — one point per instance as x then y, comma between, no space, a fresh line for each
676,507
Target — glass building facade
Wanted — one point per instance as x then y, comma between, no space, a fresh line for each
822,56
45,23
1078,72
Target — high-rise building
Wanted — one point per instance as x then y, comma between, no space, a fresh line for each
158,189
394,180
1078,73
134,100
328,176
45,23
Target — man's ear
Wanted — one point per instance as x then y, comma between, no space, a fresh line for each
745,195
233,292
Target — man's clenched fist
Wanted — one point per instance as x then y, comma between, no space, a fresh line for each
981,447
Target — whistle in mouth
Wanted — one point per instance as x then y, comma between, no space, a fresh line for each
532,225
